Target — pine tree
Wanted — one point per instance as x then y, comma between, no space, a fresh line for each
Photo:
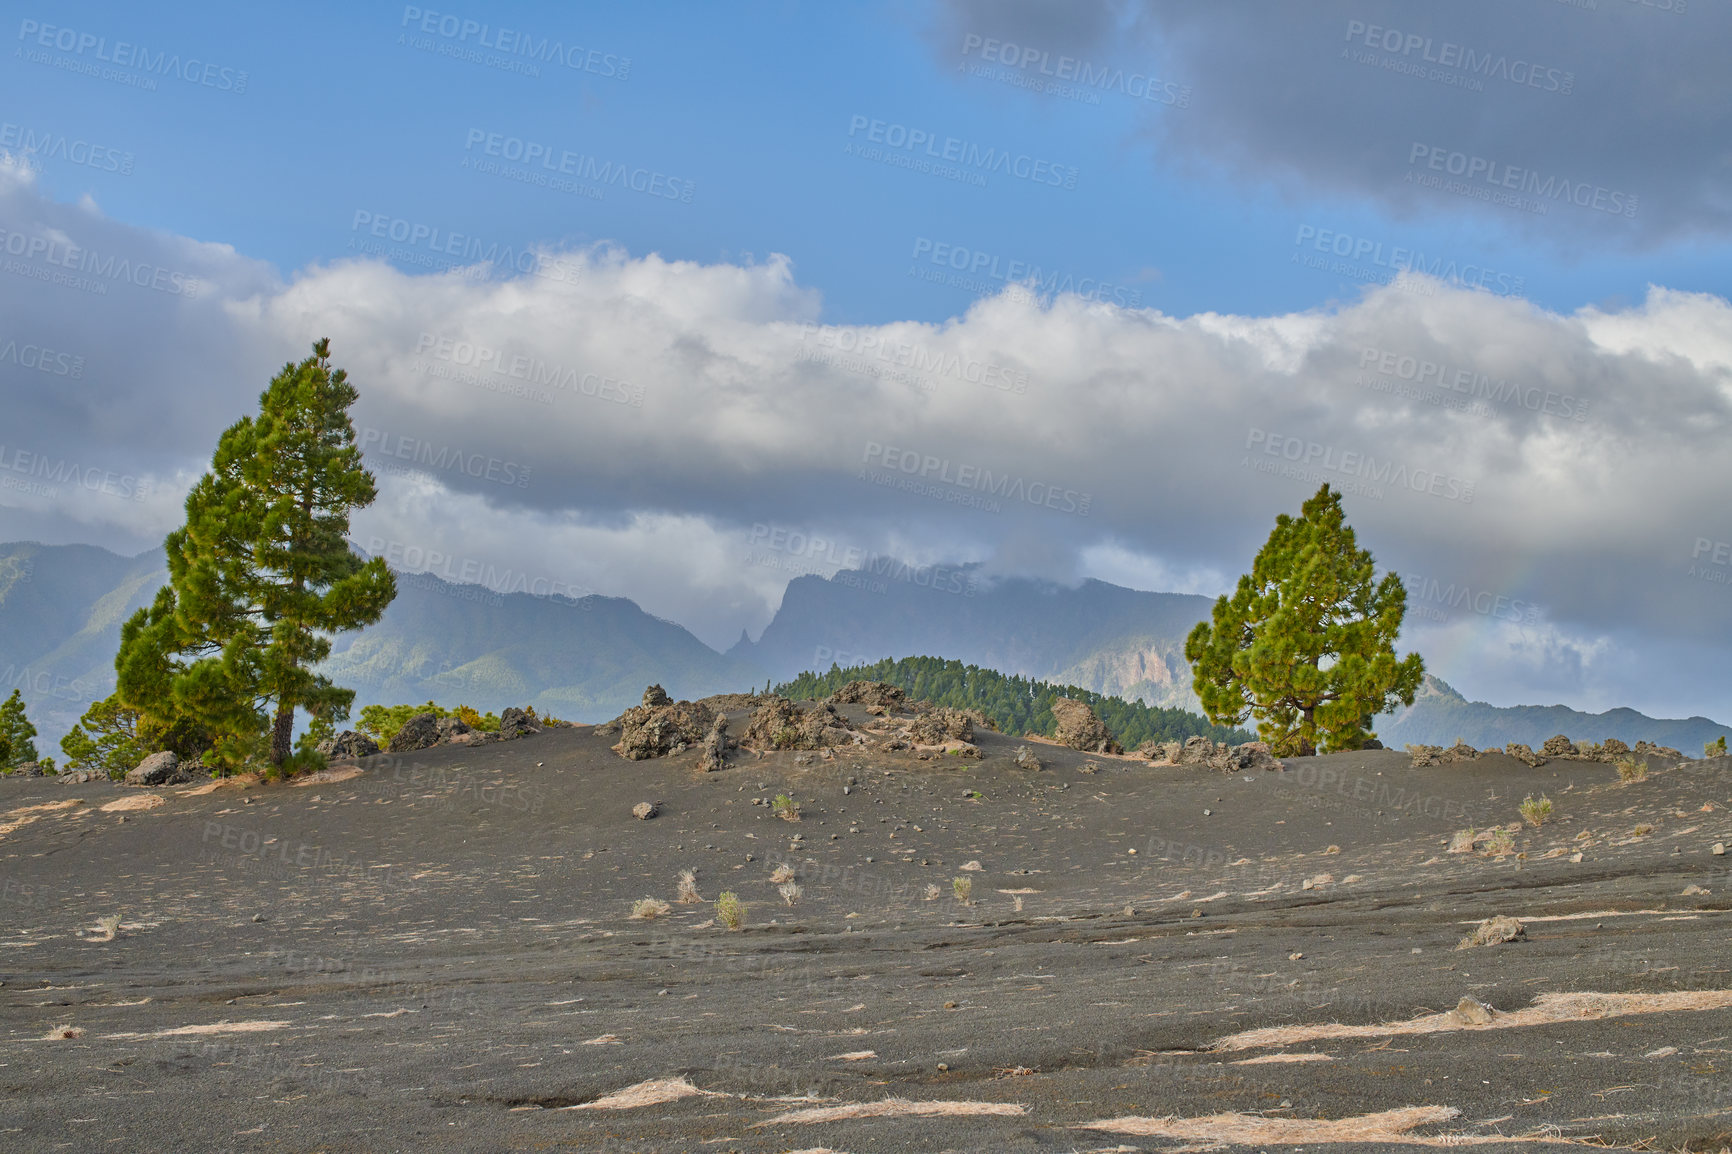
16,746
261,575
1306,644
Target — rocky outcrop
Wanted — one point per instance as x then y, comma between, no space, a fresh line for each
1558,748
1437,755
162,768
348,745
419,732
1201,751
515,722
872,694
713,754
1080,729
656,695
647,731
780,724
941,724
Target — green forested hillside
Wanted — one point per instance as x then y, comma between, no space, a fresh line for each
1018,705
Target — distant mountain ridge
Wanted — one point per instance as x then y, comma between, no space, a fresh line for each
61,607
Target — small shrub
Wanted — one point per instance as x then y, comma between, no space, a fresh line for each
789,891
1462,842
730,910
1715,748
1629,771
785,808
932,892
783,873
963,888
1642,830
648,909
1501,842
688,888
1535,812
108,927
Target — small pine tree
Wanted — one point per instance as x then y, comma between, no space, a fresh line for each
261,575
1306,643
16,732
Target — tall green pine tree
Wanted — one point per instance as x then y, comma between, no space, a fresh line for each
1306,643
261,575
16,732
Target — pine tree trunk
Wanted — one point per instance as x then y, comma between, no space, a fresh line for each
282,733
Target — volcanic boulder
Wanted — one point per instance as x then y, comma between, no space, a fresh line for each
656,695
419,732
879,694
780,724
647,731
1079,728
348,745
515,722
163,768
941,724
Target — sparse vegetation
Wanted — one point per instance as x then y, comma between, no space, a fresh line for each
107,927
1715,748
1463,840
688,888
785,808
782,873
1500,843
648,909
1632,771
381,722
1535,811
932,892
730,910
963,888
790,892
1642,830
16,732
1014,705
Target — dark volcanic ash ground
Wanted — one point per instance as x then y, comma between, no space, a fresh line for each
435,951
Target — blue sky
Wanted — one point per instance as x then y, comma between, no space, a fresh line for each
1215,203
346,110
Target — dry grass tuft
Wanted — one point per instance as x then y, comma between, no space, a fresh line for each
688,888
63,1034
1501,843
790,892
649,909
1494,932
895,1108
963,888
1548,1009
783,873
1463,841
107,927
1536,811
1632,771
655,1092
785,808
730,910
137,801
932,892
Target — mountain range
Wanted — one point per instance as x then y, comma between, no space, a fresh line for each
587,659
